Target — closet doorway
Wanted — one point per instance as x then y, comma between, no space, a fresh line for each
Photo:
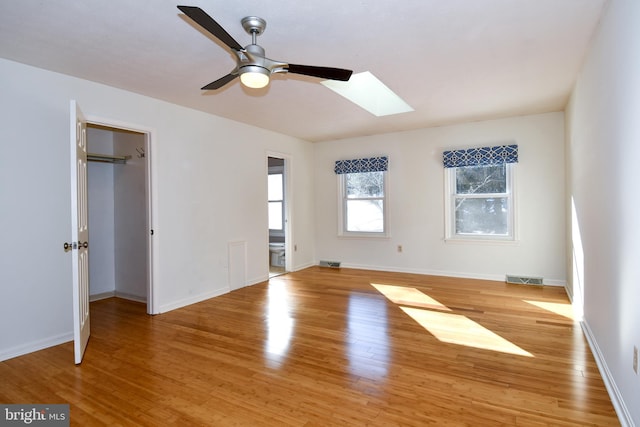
119,220
278,221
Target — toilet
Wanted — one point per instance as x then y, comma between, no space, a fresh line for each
276,254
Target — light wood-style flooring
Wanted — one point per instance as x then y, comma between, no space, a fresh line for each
329,347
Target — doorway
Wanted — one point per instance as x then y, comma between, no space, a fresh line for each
276,189
118,206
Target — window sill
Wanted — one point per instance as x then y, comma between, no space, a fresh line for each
481,241
366,236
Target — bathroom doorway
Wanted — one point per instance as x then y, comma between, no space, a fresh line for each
276,181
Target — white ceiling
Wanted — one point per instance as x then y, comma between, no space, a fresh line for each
451,60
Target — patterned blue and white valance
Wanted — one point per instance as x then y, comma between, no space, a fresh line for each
372,164
481,156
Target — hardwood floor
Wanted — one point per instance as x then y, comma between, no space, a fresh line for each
329,347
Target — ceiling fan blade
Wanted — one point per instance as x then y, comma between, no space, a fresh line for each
220,82
321,72
208,23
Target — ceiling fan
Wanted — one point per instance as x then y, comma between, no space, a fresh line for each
253,68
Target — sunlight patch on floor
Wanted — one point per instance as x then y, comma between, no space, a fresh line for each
448,327
565,310
458,329
409,296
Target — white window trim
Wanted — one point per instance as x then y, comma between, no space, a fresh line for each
449,197
342,212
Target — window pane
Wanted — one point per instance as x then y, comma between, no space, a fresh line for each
275,186
365,215
481,179
275,215
365,184
482,216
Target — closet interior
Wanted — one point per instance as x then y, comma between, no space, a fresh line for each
118,230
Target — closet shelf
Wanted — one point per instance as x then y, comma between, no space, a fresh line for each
105,158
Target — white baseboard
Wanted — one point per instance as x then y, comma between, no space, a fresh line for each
423,271
256,280
616,398
205,296
303,266
192,300
20,350
103,295
493,277
117,294
555,282
130,297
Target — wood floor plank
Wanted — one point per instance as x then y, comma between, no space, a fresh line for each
329,347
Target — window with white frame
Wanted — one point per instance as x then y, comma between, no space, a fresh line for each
480,193
362,184
275,191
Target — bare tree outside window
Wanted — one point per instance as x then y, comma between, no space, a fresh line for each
365,184
481,200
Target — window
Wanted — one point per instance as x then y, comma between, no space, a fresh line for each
363,202
275,193
479,193
362,196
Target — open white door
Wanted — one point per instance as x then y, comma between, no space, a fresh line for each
79,232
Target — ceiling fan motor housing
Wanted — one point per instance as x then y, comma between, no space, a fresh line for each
254,62
255,53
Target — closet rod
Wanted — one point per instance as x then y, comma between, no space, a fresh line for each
104,158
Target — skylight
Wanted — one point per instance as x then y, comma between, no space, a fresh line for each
365,90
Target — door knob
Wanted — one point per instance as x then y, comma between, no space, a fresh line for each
69,246
73,245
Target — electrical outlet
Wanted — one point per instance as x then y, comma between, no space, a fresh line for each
635,359
399,248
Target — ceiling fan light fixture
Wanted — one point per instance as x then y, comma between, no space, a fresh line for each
254,76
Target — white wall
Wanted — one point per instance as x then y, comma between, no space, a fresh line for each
209,188
101,215
130,217
603,146
416,201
